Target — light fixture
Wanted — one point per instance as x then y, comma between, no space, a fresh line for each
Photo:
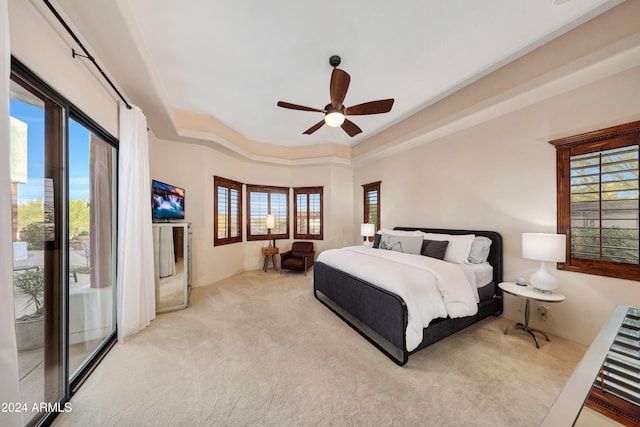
271,223
544,247
366,231
334,117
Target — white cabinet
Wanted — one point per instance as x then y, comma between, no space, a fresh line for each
172,265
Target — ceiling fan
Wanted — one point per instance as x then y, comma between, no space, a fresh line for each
335,112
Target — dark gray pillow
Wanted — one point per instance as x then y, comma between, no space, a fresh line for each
376,241
434,248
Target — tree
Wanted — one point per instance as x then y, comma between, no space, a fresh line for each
79,218
30,212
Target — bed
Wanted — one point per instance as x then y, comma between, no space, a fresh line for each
371,303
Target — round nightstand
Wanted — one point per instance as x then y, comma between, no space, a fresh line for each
529,293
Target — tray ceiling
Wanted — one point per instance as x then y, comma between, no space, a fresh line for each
230,62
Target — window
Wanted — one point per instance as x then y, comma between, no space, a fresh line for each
372,204
227,219
307,212
598,201
262,201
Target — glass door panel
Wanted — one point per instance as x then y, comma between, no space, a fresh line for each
35,140
92,299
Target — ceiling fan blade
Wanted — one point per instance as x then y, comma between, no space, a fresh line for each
338,87
372,107
314,128
298,107
351,128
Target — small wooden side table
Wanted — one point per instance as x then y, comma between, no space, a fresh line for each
529,293
270,252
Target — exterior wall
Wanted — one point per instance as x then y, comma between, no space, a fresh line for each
501,175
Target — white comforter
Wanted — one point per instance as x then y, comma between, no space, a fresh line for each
431,288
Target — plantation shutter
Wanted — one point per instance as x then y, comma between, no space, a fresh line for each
307,210
598,186
228,211
616,390
259,206
235,201
604,205
372,204
263,200
223,211
279,209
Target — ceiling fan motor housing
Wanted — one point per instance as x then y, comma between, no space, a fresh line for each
334,61
331,109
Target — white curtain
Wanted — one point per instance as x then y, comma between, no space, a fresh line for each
9,376
136,285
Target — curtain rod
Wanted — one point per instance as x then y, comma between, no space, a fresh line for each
86,52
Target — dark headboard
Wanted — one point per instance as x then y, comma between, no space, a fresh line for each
495,254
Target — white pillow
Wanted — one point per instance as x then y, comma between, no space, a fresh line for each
459,246
479,250
404,243
400,232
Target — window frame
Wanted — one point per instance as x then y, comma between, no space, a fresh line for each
269,189
590,142
308,191
229,184
372,186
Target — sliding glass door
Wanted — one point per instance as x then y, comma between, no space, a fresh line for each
63,204
35,176
92,299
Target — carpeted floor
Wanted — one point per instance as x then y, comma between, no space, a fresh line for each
258,349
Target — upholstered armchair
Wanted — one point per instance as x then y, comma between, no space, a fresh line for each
300,257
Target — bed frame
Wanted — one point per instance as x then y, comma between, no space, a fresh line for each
380,316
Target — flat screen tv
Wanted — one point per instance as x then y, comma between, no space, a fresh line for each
167,202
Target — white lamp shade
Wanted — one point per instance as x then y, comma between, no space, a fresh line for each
334,119
271,221
544,247
367,230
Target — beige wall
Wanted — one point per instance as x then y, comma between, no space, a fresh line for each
48,54
193,167
500,175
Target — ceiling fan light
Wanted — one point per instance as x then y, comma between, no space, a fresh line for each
334,119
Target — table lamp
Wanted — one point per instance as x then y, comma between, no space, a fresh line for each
366,231
544,247
271,223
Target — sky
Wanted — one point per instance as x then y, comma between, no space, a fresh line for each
78,154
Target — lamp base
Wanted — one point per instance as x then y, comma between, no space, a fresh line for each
542,280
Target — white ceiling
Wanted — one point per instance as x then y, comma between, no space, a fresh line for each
233,60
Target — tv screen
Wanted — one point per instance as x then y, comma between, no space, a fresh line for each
167,201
